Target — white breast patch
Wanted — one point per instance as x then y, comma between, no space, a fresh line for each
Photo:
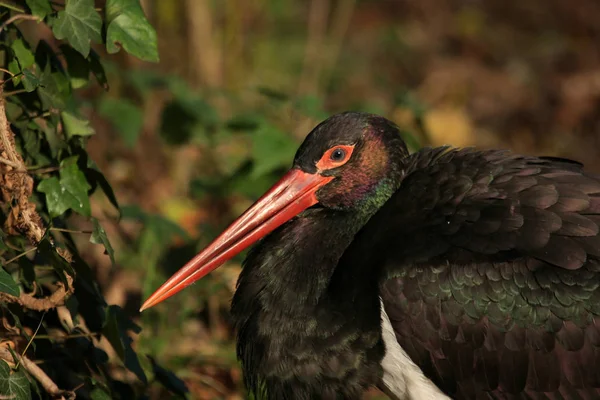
402,378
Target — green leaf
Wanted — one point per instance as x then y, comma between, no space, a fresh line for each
128,26
57,200
23,53
115,330
14,385
99,237
99,394
126,117
54,89
76,125
77,65
49,253
70,192
97,69
271,149
74,182
168,379
39,8
96,177
30,81
79,23
8,284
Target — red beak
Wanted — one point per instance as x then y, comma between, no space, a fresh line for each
294,193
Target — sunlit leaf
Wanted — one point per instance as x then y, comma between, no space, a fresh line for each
99,237
14,385
125,116
57,200
79,23
70,192
23,53
73,180
76,125
129,28
39,8
8,284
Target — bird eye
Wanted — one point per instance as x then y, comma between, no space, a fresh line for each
335,157
338,154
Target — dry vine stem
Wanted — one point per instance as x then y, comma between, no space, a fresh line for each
39,374
15,188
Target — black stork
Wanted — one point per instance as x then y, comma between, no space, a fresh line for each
475,272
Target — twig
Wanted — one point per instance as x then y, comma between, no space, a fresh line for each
70,230
11,163
48,384
31,339
11,6
7,72
18,91
23,218
15,258
17,18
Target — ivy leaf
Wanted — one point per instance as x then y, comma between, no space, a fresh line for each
97,69
47,252
58,201
8,284
39,8
128,26
99,237
23,53
30,81
96,177
54,89
74,182
115,330
79,23
125,116
14,385
77,65
76,125
70,192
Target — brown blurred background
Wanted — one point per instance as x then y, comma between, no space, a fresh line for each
189,143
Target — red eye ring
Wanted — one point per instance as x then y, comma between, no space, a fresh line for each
335,157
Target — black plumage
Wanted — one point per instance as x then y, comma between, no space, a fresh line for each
514,263
487,264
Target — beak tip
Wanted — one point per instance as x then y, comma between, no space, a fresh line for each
145,306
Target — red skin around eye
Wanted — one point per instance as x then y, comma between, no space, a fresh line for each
327,163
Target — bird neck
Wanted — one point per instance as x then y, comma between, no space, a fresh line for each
296,322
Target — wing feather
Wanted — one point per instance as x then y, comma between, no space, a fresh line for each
493,266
